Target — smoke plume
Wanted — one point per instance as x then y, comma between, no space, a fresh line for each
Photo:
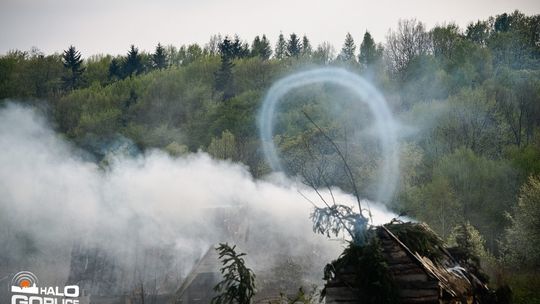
53,201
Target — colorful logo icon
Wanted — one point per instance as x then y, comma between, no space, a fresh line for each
24,282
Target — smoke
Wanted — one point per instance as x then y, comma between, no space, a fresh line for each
150,215
384,125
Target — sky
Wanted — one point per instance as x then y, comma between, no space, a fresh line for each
111,26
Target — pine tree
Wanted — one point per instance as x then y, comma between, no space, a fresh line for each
348,49
261,47
224,81
281,47
73,62
115,69
306,47
159,58
369,53
239,49
133,63
293,46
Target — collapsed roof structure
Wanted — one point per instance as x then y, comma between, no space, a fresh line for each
409,264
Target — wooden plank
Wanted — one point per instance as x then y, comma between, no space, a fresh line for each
420,285
403,267
421,300
417,293
411,277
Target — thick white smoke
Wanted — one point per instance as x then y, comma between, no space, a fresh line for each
52,199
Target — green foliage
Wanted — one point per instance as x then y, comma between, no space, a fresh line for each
324,54
281,47
434,203
73,62
301,297
466,245
224,81
261,48
115,69
239,49
238,284
337,219
224,147
478,182
410,41
306,47
133,64
159,58
294,46
527,159
470,121
522,240
369,52
97,70
348,50
525,288
418,238
371,278
468,238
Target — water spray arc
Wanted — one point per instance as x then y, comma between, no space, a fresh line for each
385,124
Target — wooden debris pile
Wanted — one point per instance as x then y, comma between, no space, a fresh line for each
408,264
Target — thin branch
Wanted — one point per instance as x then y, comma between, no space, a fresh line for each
348,169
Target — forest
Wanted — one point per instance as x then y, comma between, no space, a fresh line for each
467,99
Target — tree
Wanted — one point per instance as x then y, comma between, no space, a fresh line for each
514,40
159,58
348,50
281,47
502,23
306,47
97,69
238,284
469,121
73,62
133,62
324,53
224,147
261,48
212,47
239,49
115,69
369,52
224,81
192,53
468,238
478,32
522,237
294,46
445,41
467,247
434,203
407,43
485,190
516,95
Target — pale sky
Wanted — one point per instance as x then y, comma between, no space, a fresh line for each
102,26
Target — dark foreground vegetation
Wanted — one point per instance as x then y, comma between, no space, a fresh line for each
471,99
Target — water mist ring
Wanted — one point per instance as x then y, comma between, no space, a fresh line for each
384,120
